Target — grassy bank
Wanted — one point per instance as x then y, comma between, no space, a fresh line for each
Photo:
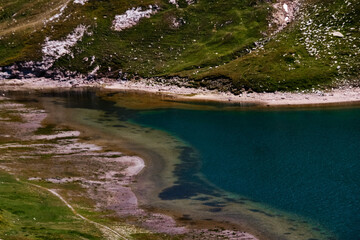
29,213
211,43
305,55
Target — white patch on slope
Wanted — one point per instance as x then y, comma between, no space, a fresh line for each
58,15
92,60
285,7
284,13
82,2
65,134
189,2
93,72
131,17
175,23
52,50
175,2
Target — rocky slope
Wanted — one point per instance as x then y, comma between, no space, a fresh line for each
236,45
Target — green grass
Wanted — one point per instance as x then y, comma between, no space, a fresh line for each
285,62
46,130
210,45
275,69
25,15
154,47
222,30
29,213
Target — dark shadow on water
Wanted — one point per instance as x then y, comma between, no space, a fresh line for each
189,184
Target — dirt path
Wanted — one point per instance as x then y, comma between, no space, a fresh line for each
106,229
34,22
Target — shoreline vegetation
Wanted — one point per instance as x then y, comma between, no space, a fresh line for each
327,97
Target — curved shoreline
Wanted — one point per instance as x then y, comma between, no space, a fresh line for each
156,219
276,99
259,234
333,97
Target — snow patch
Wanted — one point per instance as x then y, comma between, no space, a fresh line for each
131,17
53,50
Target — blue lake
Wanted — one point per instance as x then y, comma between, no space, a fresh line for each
305,162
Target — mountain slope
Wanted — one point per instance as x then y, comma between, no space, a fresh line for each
230,45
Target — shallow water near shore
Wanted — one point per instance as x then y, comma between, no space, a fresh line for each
293,174
303,162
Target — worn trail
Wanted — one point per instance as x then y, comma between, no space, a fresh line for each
98,225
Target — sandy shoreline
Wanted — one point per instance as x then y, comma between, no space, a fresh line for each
315,97
335,96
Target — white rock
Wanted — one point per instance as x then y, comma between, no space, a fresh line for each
55,49
285,7
131,17
337,34
82,2
174,2
94,71
58,15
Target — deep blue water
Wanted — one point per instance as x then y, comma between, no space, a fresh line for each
305,162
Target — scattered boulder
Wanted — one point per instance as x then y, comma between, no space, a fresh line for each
337,34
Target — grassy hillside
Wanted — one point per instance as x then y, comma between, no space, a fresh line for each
29,213
211,43
305,55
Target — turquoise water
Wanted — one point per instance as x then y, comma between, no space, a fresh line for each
305,162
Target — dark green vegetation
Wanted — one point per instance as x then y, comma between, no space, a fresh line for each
27,212
207,42
304,55
46,130
18,22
